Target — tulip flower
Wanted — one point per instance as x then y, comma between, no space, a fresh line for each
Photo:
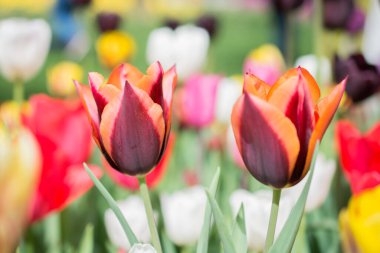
184,227
360,222
130,115
65,141
371,34
197,99
152,179
276,128
186,46
209,23
107,21
359,155
24,45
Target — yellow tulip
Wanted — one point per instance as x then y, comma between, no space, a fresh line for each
176,9
29,6
60,78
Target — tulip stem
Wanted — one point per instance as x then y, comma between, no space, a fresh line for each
273,219
18,92
149,213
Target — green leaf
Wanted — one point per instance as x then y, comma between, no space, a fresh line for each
87,243
239,232
167,245
204,237
113,205
285,240
223,230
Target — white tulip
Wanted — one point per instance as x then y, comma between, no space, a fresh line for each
134,212
310,62
371,34
229,90
183,213
186,47
257,207
320,184
24,45
142,248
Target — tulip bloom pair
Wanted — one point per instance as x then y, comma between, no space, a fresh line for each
276,127
130,115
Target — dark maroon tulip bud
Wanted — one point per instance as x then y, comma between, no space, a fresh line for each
108,21
336,13
209,23
80,3
363,79
287,5
356,21
172,23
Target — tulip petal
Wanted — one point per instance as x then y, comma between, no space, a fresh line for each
132,130
256,86
123,73
101,98
266,139
152,83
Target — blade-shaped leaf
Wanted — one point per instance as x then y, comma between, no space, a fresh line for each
285,240
167,245
113,205
87,243
203,241
239,232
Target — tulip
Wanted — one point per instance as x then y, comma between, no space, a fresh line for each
134,212
152,179
362,222
24,45
209,23
65,142
196,100
276,128
371,35
19,171
257,208
183,214
108,21
142,248
229,90
336,14
60,78
115,47
130,115
318,67
359,155
186,46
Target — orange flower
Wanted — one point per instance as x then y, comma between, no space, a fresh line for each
276,128
130,115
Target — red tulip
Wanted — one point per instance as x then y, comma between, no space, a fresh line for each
359,155
60,126
152,179
276,128
130,115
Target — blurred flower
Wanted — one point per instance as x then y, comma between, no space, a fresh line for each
142,248
80,3
130,115
172,23
320,184
134,212
20,166
233,148
120,7
65,142
362,222
363,79
371,35
177,9
257,209
60,78
186,47
24,45
114,48
287,5
195,102
276,128
359,155
265,62
209,23
229,90
311,63
107,21
29,6
152,179
183,213
356,21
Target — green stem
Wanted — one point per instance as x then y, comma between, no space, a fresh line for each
53,233
149,213
273,219
18,92
289,39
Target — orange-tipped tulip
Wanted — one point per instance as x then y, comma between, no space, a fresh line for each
130,115
276,128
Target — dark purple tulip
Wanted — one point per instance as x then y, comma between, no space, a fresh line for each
337,13
356,22
209,23
172,23
287,5
108,21
363,79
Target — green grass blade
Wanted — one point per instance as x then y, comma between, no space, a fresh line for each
87,243
239,233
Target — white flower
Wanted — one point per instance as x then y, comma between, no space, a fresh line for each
142,248
320,184
134,212
257,207
183,213
24,45
371,34
228,92
310,62
186,47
